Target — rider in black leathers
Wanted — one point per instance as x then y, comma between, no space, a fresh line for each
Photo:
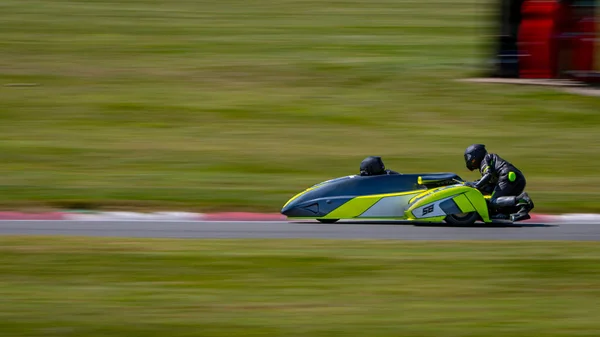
506,182
373,166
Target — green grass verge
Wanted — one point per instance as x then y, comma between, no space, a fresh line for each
213,105
127,287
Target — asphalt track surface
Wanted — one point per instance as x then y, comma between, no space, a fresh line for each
272,229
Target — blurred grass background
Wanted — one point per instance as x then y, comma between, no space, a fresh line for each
231,104
128,287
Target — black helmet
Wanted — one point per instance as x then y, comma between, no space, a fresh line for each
474,154
372,166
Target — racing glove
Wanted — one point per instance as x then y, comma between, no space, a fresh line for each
471,183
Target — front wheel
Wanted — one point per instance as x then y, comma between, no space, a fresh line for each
328,220
463,219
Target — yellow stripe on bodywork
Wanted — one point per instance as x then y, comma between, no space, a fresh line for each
463,203
298,195
420,181
352,208
432,219
419,195
390,194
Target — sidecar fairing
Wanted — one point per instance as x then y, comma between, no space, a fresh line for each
365,197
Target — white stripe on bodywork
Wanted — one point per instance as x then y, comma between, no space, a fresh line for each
389,207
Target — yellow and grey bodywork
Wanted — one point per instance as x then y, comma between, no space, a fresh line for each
437,203
404,197
379,206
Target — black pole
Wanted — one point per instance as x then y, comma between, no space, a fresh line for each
507,30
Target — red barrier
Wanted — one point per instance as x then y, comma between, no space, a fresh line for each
557,39
584,45
538,48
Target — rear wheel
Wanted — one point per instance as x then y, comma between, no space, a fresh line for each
462,219
328,220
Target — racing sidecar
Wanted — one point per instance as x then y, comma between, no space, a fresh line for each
431,197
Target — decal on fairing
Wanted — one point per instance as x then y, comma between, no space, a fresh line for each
431,210
428,209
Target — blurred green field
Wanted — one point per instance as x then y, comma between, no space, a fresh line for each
127,287
213,105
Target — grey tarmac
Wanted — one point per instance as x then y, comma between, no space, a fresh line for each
274,229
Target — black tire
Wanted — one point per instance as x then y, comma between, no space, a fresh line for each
467,219
328,220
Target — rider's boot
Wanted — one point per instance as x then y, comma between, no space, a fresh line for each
523,200
519,216
526,204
